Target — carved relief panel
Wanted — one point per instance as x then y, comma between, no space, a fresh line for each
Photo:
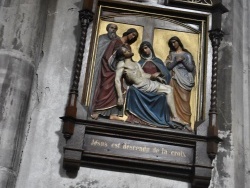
146,104
157,30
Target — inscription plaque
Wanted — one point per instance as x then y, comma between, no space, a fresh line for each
138,149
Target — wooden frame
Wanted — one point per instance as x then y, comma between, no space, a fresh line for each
178,154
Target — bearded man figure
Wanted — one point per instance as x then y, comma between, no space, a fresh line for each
104,41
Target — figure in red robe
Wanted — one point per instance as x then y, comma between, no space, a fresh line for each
105,97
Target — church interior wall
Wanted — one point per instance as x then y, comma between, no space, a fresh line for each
41,160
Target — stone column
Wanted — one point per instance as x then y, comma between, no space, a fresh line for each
22,25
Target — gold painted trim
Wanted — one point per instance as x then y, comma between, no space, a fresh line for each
201,68
92,65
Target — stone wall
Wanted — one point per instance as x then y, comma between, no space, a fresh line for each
232,162
22,26
41,164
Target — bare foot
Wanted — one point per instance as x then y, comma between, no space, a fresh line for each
114,117
95,116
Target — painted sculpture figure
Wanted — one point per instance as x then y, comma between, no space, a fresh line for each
105,97
152,64
104,41
182,66
159,116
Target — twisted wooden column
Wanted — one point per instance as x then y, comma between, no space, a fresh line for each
215,37
85,16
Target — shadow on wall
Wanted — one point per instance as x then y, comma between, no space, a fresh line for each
61,142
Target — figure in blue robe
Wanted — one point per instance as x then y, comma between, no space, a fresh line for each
150,108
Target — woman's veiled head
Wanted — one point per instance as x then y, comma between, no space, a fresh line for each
143,49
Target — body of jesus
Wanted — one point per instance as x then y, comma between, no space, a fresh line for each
134,74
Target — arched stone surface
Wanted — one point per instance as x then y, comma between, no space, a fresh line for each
21,33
